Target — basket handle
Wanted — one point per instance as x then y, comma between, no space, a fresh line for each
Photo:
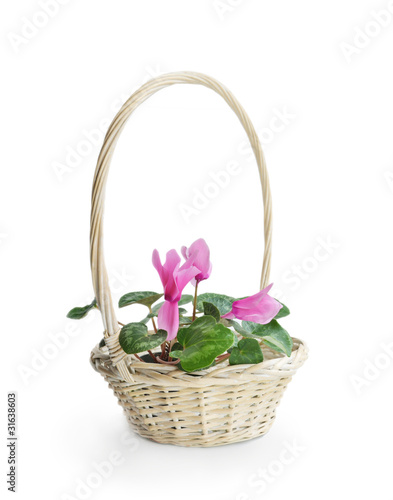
98,270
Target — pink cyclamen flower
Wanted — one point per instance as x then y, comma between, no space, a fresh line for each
199,253
174,278
259,308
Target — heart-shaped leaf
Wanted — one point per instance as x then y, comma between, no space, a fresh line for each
284,311
199,327
248,351
211,310
155,309
144,298
222,302
228,322
185,299
135,338
281,343
203,341
234,344
239,328
184,320
176,353
272,334
80,312
177,346
182,311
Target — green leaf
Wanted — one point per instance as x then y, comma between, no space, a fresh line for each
227,322
284,311
80,312
155,309
177,346
248,351
184,320
222,302
203,341
134,338
272,334
283,344
144,298
211,310
239,329
200,326
175,354
234,344
185,299
102,343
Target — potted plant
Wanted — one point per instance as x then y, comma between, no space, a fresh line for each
212,368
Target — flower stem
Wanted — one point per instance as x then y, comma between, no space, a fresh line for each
173,362
195,301
222,357
163,350
140,359
152,320
152,355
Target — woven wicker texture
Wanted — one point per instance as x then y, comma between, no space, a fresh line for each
220,405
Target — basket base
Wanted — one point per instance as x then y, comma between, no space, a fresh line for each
205,419
204,442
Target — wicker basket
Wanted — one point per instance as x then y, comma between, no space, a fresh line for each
222,404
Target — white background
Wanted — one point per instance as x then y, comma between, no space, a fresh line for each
331,170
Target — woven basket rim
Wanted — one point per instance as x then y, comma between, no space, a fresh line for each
276,366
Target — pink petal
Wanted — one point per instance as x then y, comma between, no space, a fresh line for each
168,318
172,261
229,315
157,264
263,313
184,276
189,262
184,252
253,300
201,254
171,267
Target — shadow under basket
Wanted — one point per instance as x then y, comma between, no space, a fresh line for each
221,405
